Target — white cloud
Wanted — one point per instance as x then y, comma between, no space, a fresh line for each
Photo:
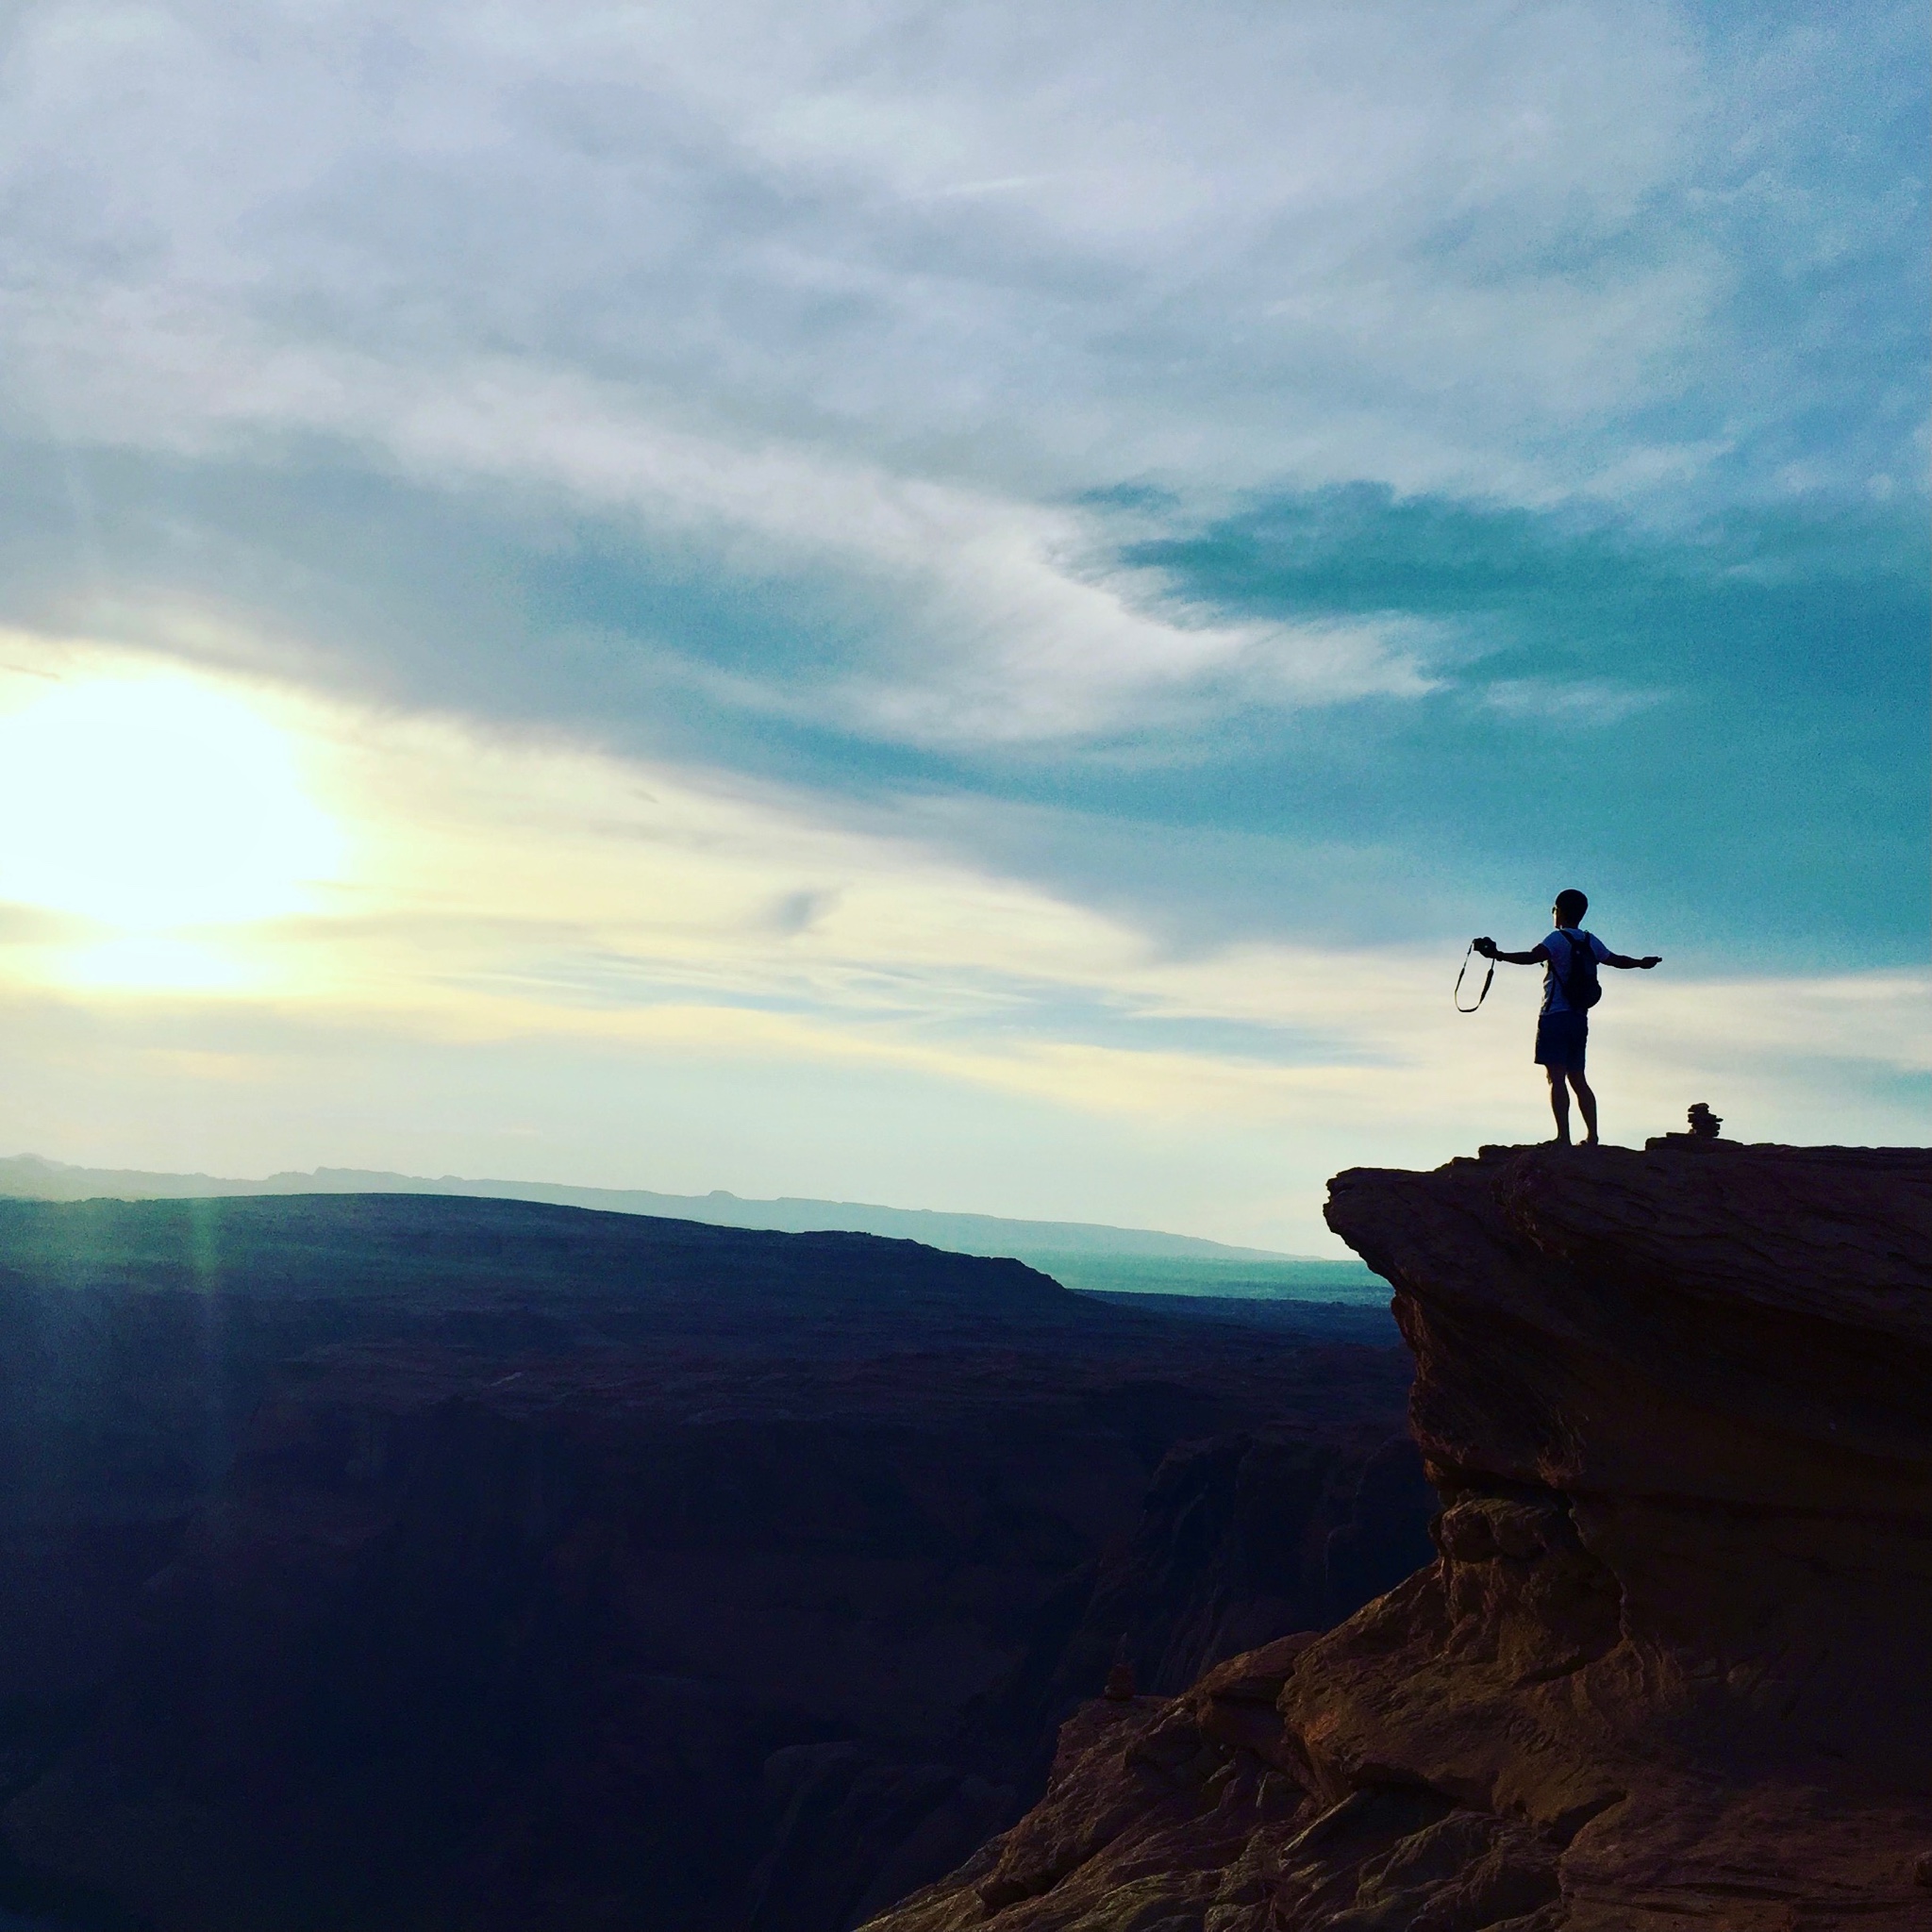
879,286
1003,623
1061,248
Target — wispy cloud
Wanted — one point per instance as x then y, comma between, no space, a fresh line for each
761,285
978,618
1581,701
1438,246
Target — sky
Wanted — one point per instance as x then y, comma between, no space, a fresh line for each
960,607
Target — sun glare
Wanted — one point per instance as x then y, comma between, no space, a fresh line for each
154,803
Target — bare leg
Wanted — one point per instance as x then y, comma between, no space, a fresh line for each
1559,1104
1586,1101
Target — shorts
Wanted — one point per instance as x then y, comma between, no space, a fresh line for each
1560,1040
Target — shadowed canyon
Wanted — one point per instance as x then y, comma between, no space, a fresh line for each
407,1562
396,1561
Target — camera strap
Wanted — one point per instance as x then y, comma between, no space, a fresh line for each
1480,997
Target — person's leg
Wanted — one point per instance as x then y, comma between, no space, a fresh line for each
1586,1101
1559,1104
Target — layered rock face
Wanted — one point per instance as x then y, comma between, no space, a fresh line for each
1672,1667
474,1564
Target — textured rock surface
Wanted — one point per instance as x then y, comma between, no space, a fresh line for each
579,1570
1672,1666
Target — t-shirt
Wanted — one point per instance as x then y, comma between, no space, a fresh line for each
1558,947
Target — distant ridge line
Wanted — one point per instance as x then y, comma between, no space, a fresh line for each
33,1177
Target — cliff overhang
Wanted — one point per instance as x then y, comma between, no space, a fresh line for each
1669,1666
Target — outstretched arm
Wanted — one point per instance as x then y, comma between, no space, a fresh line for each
1534,956
1625,961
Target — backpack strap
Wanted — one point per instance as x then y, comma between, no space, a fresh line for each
1575,937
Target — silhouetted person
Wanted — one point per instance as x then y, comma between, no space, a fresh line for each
1568,958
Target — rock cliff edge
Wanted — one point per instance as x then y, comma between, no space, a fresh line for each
1672,1667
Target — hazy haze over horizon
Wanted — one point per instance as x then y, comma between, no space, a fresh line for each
964,608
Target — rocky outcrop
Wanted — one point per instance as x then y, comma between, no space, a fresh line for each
482,1564
1669,1669
1241,1539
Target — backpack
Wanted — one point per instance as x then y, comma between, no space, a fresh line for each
1580,985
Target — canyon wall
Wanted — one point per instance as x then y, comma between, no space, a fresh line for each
412,1563
1670,1666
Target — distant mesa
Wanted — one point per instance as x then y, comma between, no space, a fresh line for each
1082,1253
35,1177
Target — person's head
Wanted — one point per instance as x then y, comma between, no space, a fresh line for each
1570,907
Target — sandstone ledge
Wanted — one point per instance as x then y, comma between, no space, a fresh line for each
1670,1668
